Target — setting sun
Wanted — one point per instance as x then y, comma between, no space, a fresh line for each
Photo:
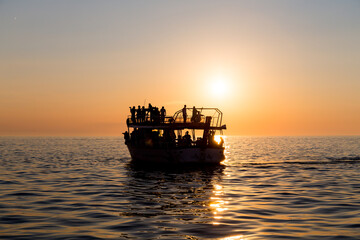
219,86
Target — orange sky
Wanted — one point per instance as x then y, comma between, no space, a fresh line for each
74,68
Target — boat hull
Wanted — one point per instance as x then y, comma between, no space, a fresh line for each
177,155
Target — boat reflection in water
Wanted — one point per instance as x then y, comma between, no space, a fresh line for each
169,198
176,203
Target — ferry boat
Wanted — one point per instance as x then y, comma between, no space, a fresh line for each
153,137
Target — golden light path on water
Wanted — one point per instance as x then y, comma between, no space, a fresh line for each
238,237
218,205
218,208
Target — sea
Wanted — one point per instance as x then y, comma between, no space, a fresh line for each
266,188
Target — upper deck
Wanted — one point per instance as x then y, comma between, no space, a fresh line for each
185,118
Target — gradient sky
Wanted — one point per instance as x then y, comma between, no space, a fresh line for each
74,67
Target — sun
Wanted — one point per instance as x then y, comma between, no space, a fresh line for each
219,86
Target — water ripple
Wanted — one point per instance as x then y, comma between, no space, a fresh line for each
267,188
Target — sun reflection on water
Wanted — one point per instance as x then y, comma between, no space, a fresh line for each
227,151
238,237
217,204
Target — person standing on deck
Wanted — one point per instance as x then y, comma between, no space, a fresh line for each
162,114
143,114
150,109
138,114
184,113
156,115
195,115
132,110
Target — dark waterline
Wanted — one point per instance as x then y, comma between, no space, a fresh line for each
268,188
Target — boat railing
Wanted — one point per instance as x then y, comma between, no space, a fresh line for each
200,116
189,119
148,121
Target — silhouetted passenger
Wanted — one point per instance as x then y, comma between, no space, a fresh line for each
211,138
199,142
184,113
187,139
162,114
151,113
194,113
196,117
180,140
221,143
126,137
138,114
172,137
132,110
156,115
143,114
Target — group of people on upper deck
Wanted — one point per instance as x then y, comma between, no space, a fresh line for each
150,114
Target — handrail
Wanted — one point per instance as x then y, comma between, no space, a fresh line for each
215,121
167,119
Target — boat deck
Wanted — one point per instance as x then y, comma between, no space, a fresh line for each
175,125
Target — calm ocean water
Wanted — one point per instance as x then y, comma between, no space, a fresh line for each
267,188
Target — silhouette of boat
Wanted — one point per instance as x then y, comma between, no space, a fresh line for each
162,139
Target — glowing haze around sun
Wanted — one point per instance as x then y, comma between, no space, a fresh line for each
219,86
